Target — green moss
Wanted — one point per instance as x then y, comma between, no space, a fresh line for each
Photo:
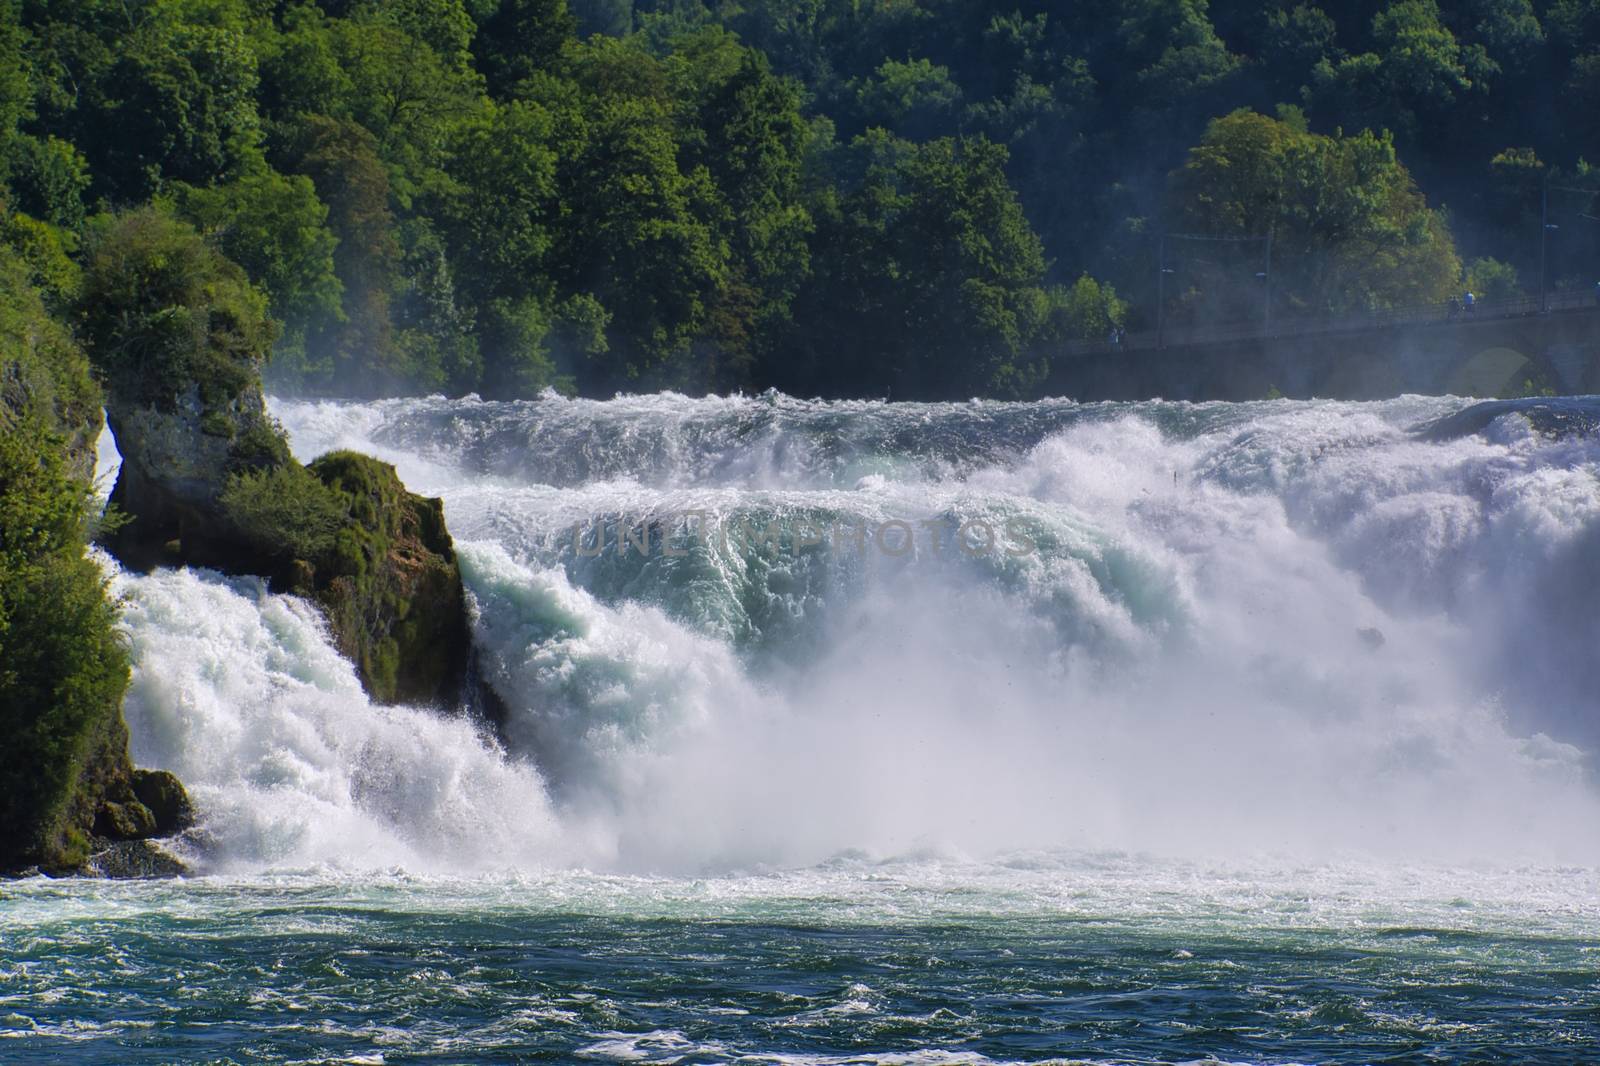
260,444
73,851
165,797
389,582
44,249
216,424
377,559
372,489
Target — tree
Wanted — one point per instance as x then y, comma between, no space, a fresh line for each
177,102
444,26
1350,230
406,96
1091,309
48,180
507,206
1490,279
916,99
636,244
161,310
63,667
522,38
639,235
743,127
1416,73
928,279
356,354
275,227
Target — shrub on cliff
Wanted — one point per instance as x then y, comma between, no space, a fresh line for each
178,335
285,510
162,310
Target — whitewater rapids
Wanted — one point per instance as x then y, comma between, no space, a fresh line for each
1281,628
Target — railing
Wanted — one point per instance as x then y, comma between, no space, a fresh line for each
1450,313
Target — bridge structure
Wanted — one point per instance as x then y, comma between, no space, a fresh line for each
1501,348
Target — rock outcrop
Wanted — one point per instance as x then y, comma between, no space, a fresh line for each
177,336
207,478
177,457
389,584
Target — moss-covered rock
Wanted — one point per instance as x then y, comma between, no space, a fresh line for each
131,820
166,798
345,533
389,583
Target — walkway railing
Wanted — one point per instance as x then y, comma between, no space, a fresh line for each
1182,336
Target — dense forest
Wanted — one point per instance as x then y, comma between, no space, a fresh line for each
838,197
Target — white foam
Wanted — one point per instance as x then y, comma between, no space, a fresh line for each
1289,628
239,692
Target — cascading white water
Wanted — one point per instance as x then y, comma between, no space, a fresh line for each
1271,627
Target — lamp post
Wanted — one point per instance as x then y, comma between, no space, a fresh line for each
1546,227
1266,288
1544,239
1161,292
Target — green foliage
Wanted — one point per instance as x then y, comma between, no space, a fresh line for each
521,39
285,509
62,667
608,194
341,159
276,229
932,245
44,250
1350,230
161,310
1490,279
48,179
1091,309
639,242
388,580
914,98
172,99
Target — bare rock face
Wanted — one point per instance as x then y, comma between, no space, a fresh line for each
143,859
176,462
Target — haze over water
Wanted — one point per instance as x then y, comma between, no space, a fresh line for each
1274,745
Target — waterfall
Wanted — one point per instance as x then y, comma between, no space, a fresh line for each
757,630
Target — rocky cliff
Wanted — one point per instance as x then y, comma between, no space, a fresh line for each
67,786
207,479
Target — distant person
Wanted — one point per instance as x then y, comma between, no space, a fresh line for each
1453,308
1113,338
1469,301
1597,293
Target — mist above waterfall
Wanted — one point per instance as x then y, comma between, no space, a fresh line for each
1279,628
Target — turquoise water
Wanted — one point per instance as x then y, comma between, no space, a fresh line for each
1034,958
1276,747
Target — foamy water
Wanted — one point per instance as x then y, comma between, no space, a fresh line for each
1275,744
